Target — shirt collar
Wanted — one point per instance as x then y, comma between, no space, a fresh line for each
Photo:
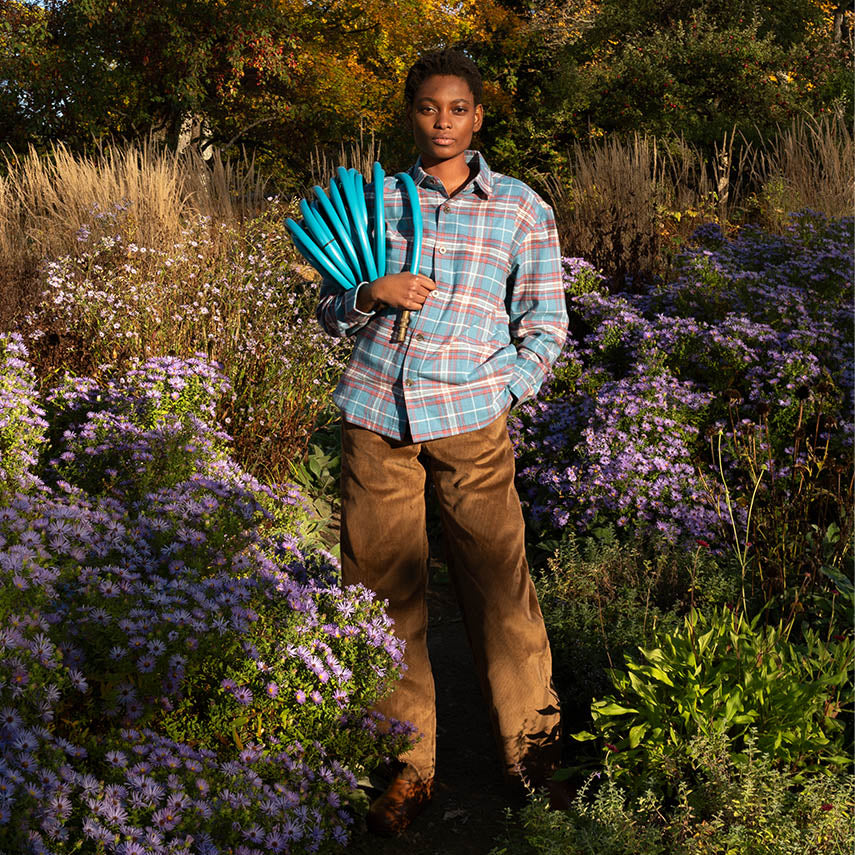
483,179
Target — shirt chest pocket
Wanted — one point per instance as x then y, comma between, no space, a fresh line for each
466,358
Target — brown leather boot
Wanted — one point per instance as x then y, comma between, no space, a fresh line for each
404,799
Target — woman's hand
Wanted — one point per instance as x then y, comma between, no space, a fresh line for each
398,290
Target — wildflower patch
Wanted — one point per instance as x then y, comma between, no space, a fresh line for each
178,673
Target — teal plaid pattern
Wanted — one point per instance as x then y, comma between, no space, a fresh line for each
484,338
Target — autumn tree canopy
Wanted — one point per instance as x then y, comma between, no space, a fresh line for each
281,76
679,67
260,73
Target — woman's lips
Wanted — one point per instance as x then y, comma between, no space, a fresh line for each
443,140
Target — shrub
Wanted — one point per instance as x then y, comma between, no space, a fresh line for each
750,807
601,600
176,673
22,421
232,294
726,675
619,434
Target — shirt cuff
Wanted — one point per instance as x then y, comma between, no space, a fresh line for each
526,379
349,318
358,311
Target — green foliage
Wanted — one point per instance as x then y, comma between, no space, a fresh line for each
208,714
276,78
22,428
280,78
732,808
600,600
126,68
691,70
607,823
725,675
699,77
317,476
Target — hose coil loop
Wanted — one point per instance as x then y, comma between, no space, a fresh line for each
337,237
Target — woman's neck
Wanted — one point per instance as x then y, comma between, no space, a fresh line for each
454,174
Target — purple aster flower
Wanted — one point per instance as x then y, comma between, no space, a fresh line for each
243,695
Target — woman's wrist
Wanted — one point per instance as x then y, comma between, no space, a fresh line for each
365,300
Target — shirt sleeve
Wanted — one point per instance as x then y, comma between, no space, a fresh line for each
536,305
337,312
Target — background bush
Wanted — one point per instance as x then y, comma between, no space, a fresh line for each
621,431
724,674
277,81
602,600
234,293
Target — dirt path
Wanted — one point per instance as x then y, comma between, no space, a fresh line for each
467,813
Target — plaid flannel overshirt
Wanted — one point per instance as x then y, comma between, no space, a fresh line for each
488,333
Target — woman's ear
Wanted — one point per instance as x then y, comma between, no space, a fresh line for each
479,118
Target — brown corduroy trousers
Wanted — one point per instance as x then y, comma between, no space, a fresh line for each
384,547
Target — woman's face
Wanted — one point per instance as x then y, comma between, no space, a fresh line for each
444,117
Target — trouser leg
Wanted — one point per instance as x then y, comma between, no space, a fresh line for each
384,547
474,478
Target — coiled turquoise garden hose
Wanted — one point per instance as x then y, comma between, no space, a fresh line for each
336,235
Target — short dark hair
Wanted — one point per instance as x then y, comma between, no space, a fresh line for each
449,62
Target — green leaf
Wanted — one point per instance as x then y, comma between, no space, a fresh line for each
602,708
655,655
732,705
636,733
637,683
704,640
659,674
583,736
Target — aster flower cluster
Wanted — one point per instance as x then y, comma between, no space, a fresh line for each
581,277
22,420
754,330
126,433
178,673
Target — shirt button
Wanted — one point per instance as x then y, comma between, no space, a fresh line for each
419,337
446,209
408,382
442,250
